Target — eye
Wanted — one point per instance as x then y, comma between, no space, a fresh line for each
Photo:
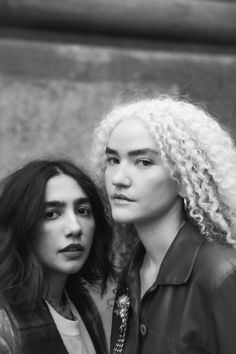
112,160
51,214
144,163
84,210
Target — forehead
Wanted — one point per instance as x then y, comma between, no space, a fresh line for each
63,187
131,134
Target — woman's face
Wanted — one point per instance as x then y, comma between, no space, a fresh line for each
65,239
138,185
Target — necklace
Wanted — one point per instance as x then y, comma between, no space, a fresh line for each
61,306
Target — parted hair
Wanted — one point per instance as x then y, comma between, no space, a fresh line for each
198,151
22,201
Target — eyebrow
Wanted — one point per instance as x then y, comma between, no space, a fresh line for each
132,153
61,204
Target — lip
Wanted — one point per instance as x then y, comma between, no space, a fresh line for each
120,196
73,247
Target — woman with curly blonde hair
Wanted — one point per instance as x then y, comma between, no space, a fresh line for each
168,170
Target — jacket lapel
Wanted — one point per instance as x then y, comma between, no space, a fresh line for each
176,266
179,260
36,331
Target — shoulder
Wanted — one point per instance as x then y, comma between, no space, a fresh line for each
215,263
7,337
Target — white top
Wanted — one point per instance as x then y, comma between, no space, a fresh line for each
73,333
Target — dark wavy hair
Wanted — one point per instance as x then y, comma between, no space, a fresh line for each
21,215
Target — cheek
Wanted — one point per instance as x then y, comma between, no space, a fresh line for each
109,171
168,189
163,187
107,177
91,236
90,230
46,238
42,248
42,245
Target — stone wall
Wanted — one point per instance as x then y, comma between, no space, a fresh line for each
57,82
53,94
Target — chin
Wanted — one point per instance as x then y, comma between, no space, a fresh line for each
122,218
73,271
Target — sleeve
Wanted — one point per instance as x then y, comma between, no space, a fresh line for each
7,343
222,317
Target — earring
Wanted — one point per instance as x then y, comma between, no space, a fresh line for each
185,205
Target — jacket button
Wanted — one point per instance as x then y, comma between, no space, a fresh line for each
143,329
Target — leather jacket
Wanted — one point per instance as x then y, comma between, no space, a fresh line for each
190,308
24,332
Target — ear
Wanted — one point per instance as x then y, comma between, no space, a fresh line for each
181,192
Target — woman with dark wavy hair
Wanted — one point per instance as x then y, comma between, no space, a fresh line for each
54,239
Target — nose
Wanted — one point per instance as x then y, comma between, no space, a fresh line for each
73,227
121,177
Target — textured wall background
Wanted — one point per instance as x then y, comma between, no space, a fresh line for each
52,94
58,77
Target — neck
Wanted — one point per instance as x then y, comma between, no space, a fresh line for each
158,234
55,284
54,295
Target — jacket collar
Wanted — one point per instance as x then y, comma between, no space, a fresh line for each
179,260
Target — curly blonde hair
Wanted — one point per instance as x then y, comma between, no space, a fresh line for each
199,153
